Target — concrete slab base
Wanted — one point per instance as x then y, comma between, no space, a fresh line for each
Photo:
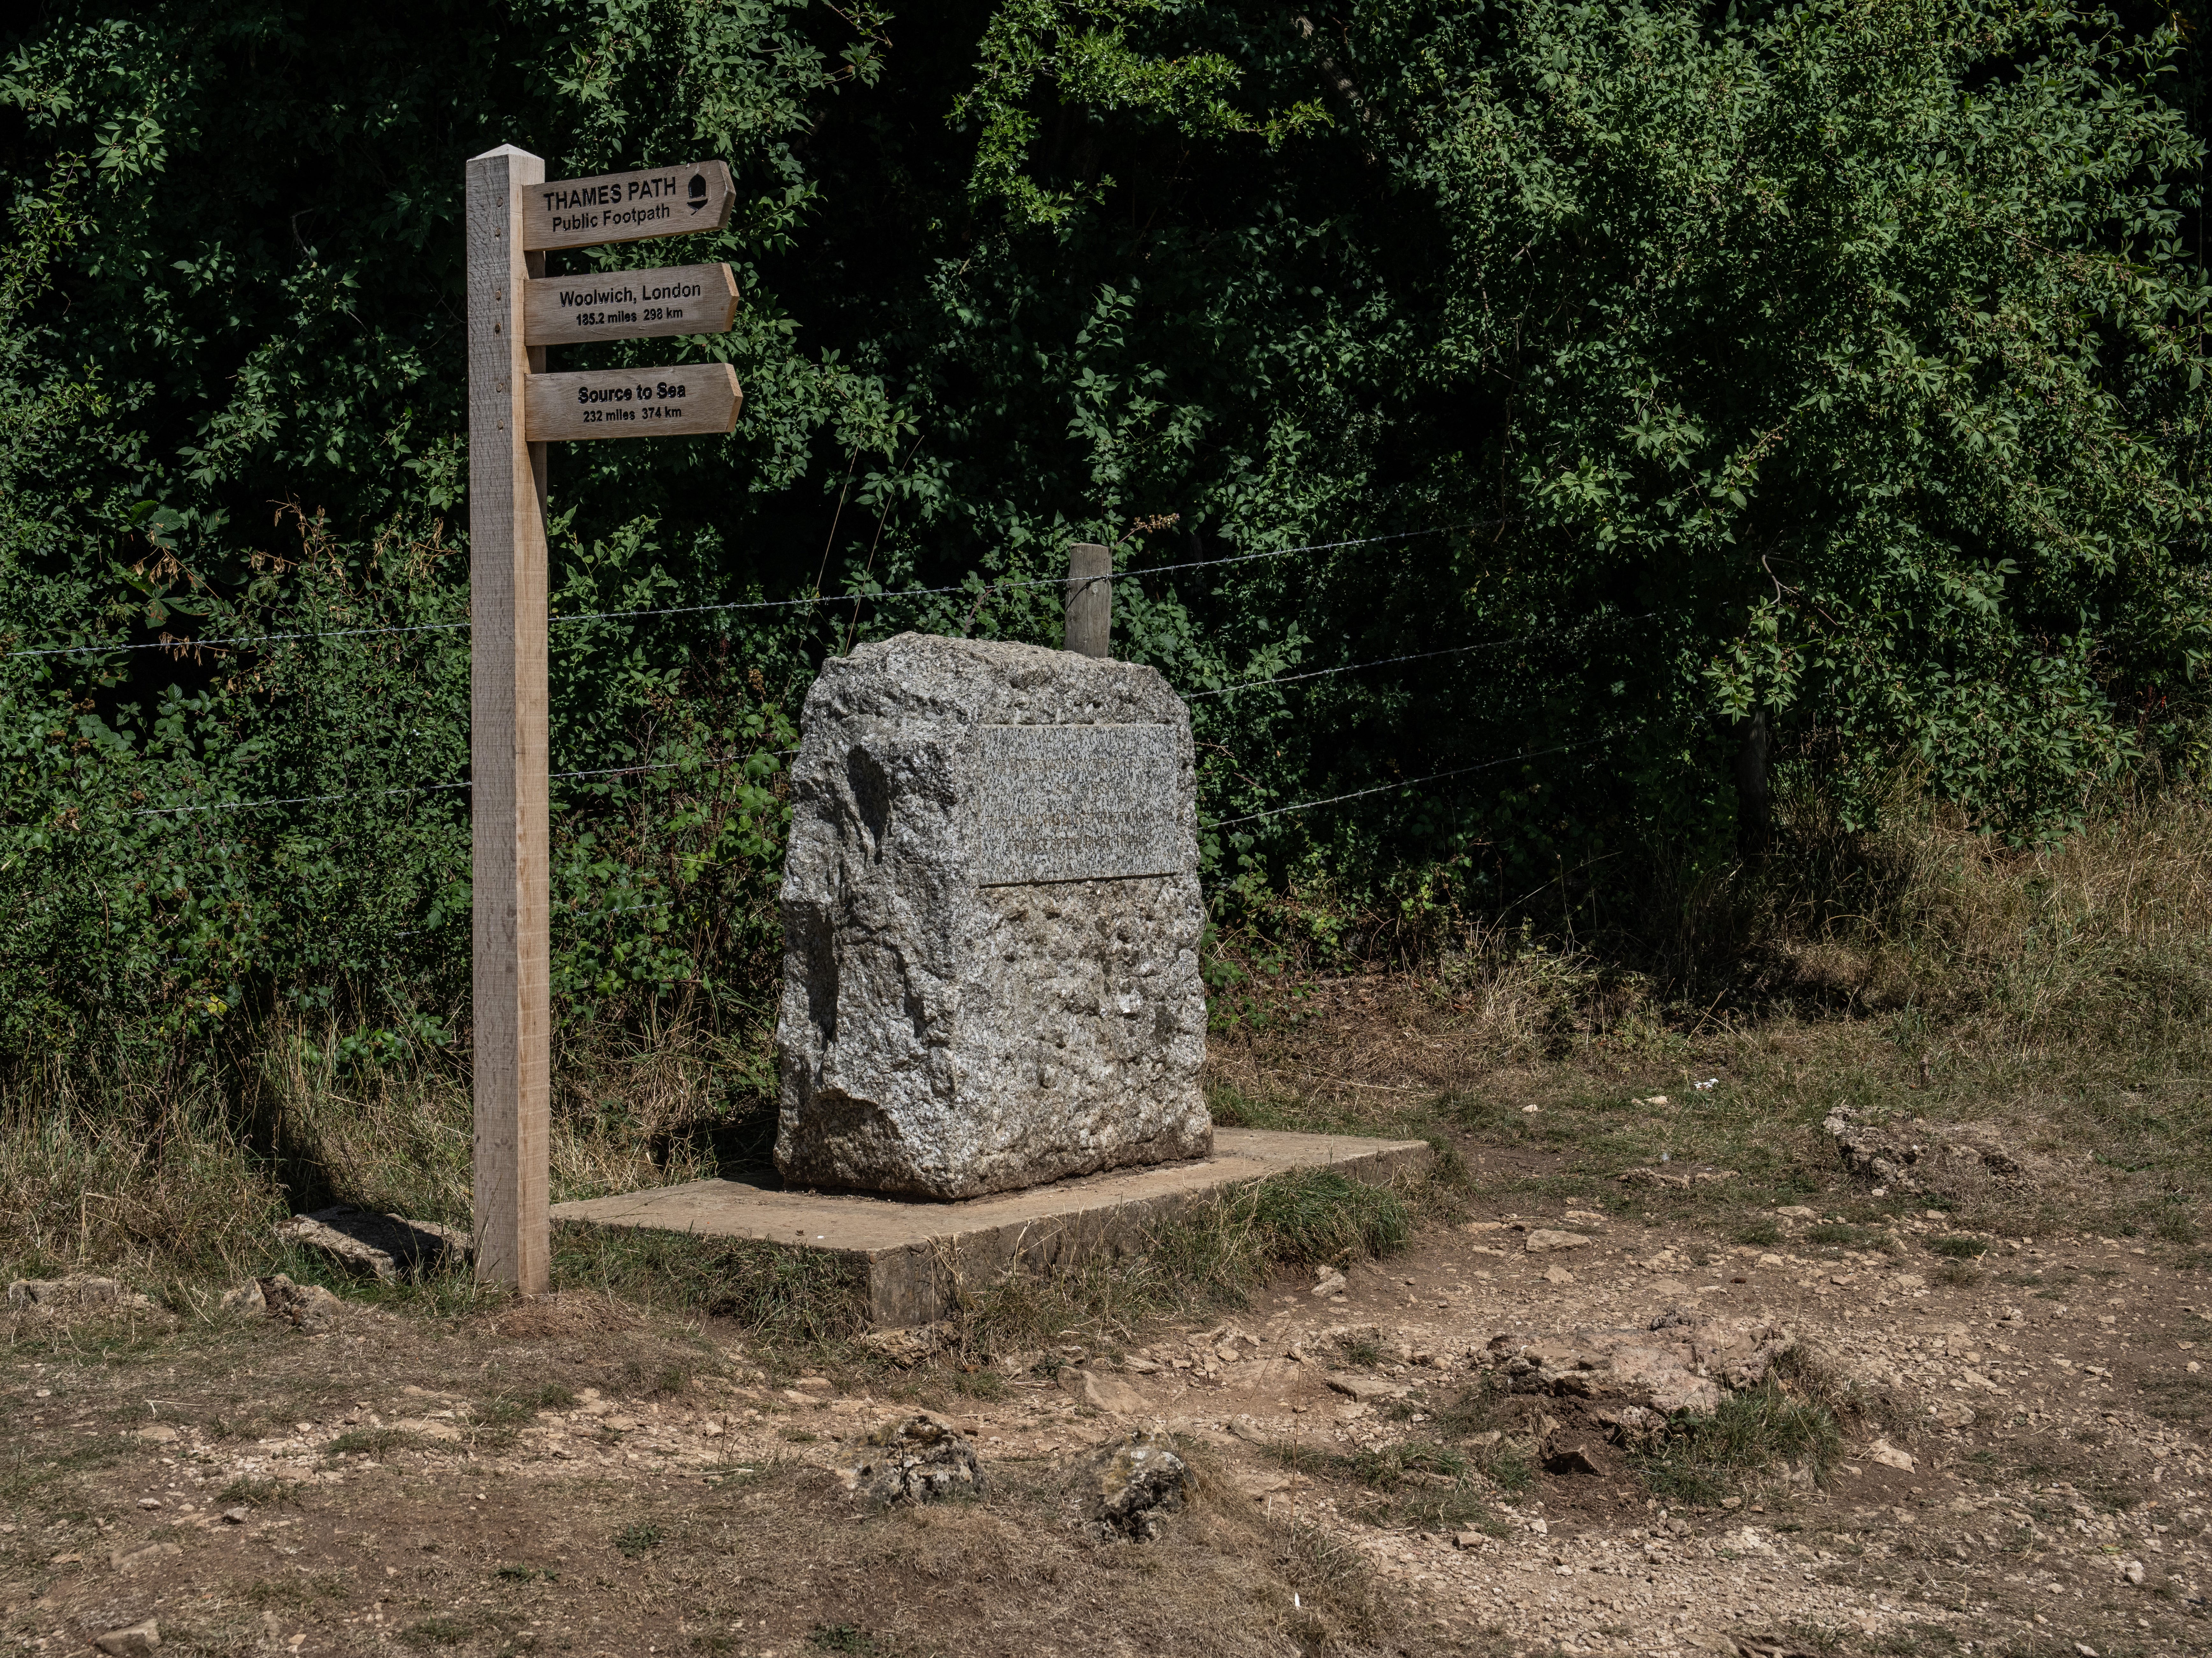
915,1255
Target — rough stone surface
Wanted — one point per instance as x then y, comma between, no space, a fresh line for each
61,1294
908,1347
1544,1239
1681,1361
1103,1393
1364,1388
1679,1177
129,1561
130,1643
391,1247
920,1459
1889,1455
991,921
307,1305
1136,1483
1956,1160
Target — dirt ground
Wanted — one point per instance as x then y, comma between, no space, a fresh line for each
565,1478
2019,1378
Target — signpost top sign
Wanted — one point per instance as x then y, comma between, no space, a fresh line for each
626,207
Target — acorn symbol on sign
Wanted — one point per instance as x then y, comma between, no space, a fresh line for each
698,191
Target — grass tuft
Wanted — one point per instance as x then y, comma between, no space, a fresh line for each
1214,1257
1417,1483
784,1296
259,1493
1316,1215
372,1441
1753,1436
1362,1350
1496,1429
440,1631
1838,1235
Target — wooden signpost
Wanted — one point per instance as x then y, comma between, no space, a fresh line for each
515,408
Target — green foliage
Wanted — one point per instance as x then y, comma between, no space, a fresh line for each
1084,52
1639,371
295,342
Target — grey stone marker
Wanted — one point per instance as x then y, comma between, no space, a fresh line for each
991,921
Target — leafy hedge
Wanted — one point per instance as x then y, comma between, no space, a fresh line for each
1667,383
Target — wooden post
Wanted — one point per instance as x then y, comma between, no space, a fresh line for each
508,735
1090,599
513,216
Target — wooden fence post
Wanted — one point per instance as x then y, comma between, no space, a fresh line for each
507,737
1090,599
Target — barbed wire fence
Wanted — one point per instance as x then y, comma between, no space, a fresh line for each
882,598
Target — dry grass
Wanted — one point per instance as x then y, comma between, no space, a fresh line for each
1215,1257
181,1176
2058,996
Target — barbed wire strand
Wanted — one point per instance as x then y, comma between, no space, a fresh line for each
1415,656
709,764
1352,667
298,799
433,788
181,645
879,596
1225,822
1403,783
1003,586
722,761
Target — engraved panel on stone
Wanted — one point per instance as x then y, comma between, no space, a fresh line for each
1075,803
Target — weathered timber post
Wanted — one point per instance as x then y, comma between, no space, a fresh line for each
511,955
1090,599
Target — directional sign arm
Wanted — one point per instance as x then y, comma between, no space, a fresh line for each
628,207
633,402
628,305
